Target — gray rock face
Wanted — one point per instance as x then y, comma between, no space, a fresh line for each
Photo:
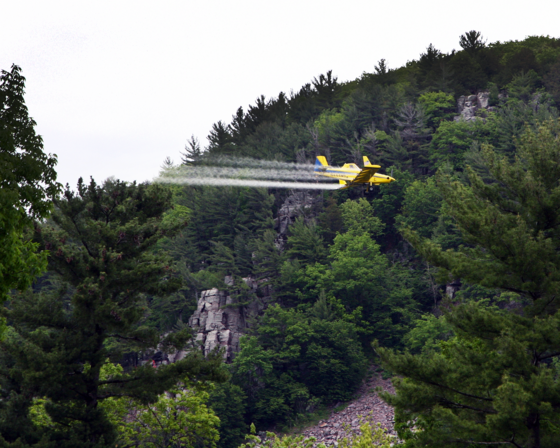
452,288
467,106
295,205
217,322
217,325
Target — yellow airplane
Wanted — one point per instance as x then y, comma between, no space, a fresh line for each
350,175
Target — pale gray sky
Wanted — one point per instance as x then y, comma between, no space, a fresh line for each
117,86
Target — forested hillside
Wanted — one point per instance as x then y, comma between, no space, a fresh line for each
449,276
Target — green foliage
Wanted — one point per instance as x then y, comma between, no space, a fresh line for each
368,290
223,226
488,384
27,186
438,106
453,139
369,434
305,242
507,216
267,257
330,220
427,333
471,41
228,401
223,259
295,359
488,218
552,82
179,418
493,381
359,218
387,203
100,241
421,207
326,125
274,441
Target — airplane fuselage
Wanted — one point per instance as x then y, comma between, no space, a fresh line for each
351,175
348,173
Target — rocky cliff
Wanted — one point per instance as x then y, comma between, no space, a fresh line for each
218,321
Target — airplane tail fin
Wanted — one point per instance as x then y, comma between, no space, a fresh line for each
366,161
320,162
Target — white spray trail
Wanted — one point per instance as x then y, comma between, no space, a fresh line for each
245,172
248,183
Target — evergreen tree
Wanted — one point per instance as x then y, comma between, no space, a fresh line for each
267,257
494,383
552,82
229,403
472,41
255,215
193,152
326,88
305,242
220,140
100,242
330,220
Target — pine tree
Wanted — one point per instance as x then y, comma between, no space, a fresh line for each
220,140
193,152
267,258
494,383
305,242
100,242
472,41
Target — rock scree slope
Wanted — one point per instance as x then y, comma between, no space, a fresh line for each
332,429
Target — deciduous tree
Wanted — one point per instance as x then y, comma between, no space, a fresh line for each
27,185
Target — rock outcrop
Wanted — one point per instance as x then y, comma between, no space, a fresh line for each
297,204
468,106
219,322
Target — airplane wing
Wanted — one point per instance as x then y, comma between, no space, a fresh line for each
363,176
366,174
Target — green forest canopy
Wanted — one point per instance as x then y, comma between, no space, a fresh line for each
475,203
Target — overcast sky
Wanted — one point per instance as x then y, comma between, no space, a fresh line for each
117,86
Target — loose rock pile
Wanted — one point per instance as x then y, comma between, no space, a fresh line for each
331,430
